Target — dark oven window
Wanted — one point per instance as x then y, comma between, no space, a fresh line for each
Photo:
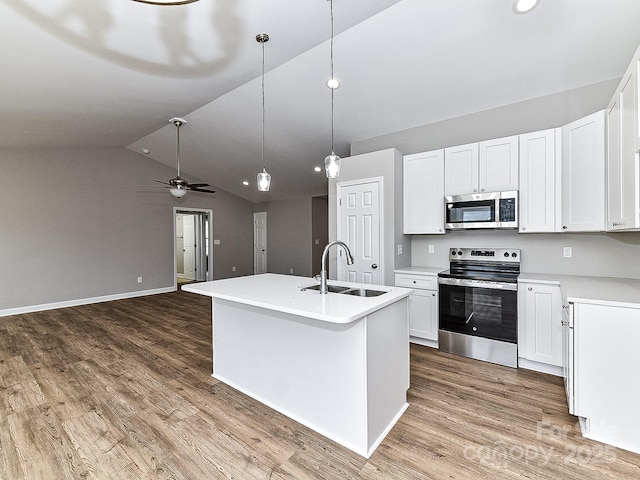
482,312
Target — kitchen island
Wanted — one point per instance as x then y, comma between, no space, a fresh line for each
335,362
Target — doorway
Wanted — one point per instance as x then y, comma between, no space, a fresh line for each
359,226
259,243
193,253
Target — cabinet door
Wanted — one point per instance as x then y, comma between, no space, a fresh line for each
622,163
498,164
539,182
583,174
543,323
423,193
423,314
461,169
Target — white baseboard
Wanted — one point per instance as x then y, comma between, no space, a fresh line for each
424,342
83,301
540,367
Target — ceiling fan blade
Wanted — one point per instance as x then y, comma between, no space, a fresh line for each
160,181
198,185
197,189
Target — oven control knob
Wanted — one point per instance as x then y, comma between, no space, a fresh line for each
453,252
459,252
506,254
514,254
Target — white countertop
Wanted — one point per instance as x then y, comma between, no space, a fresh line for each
423,270
617,292
283,293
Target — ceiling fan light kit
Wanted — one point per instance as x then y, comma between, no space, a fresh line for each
178,186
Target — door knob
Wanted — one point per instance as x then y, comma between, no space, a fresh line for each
374,265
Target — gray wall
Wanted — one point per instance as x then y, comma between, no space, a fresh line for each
82,222
289,231
530,116
597,254
319,231
388,165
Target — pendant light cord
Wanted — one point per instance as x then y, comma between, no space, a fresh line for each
264,167
332,89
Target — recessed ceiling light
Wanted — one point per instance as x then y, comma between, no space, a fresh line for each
317,169
524,6
333,83
245,183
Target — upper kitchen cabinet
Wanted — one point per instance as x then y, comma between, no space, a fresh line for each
622,157
584,174
498,164
461,169
540,175
423,193
489,166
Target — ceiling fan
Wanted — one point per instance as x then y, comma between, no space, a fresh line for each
179,186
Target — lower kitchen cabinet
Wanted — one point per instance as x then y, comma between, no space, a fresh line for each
604,372
423,307
540,327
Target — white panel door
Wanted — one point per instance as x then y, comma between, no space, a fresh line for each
359,217
260,242
188,223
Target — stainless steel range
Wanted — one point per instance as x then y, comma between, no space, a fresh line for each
478,304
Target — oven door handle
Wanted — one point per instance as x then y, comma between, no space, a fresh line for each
459,282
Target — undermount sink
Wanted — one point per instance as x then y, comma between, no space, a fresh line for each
363,292
356,292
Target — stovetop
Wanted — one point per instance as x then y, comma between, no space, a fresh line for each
491,264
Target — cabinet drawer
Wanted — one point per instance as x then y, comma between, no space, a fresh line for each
426,282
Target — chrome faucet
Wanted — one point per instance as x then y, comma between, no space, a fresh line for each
323,272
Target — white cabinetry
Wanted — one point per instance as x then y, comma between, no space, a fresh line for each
423,306
489,166
606,362
540,327
540,181
461,169
423,193
584,174
498,164
623,209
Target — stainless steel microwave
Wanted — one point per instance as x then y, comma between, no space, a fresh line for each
481,210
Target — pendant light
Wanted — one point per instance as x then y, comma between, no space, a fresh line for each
332,161
263,179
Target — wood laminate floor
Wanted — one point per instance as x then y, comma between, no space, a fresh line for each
122,390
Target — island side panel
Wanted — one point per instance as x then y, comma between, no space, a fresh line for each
387,369
309,370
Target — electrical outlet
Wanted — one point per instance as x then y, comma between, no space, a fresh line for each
567,252
432,249
291,271
216,241
139,279
400,249
233,269
317,241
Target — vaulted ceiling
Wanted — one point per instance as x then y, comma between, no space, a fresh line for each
113,72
